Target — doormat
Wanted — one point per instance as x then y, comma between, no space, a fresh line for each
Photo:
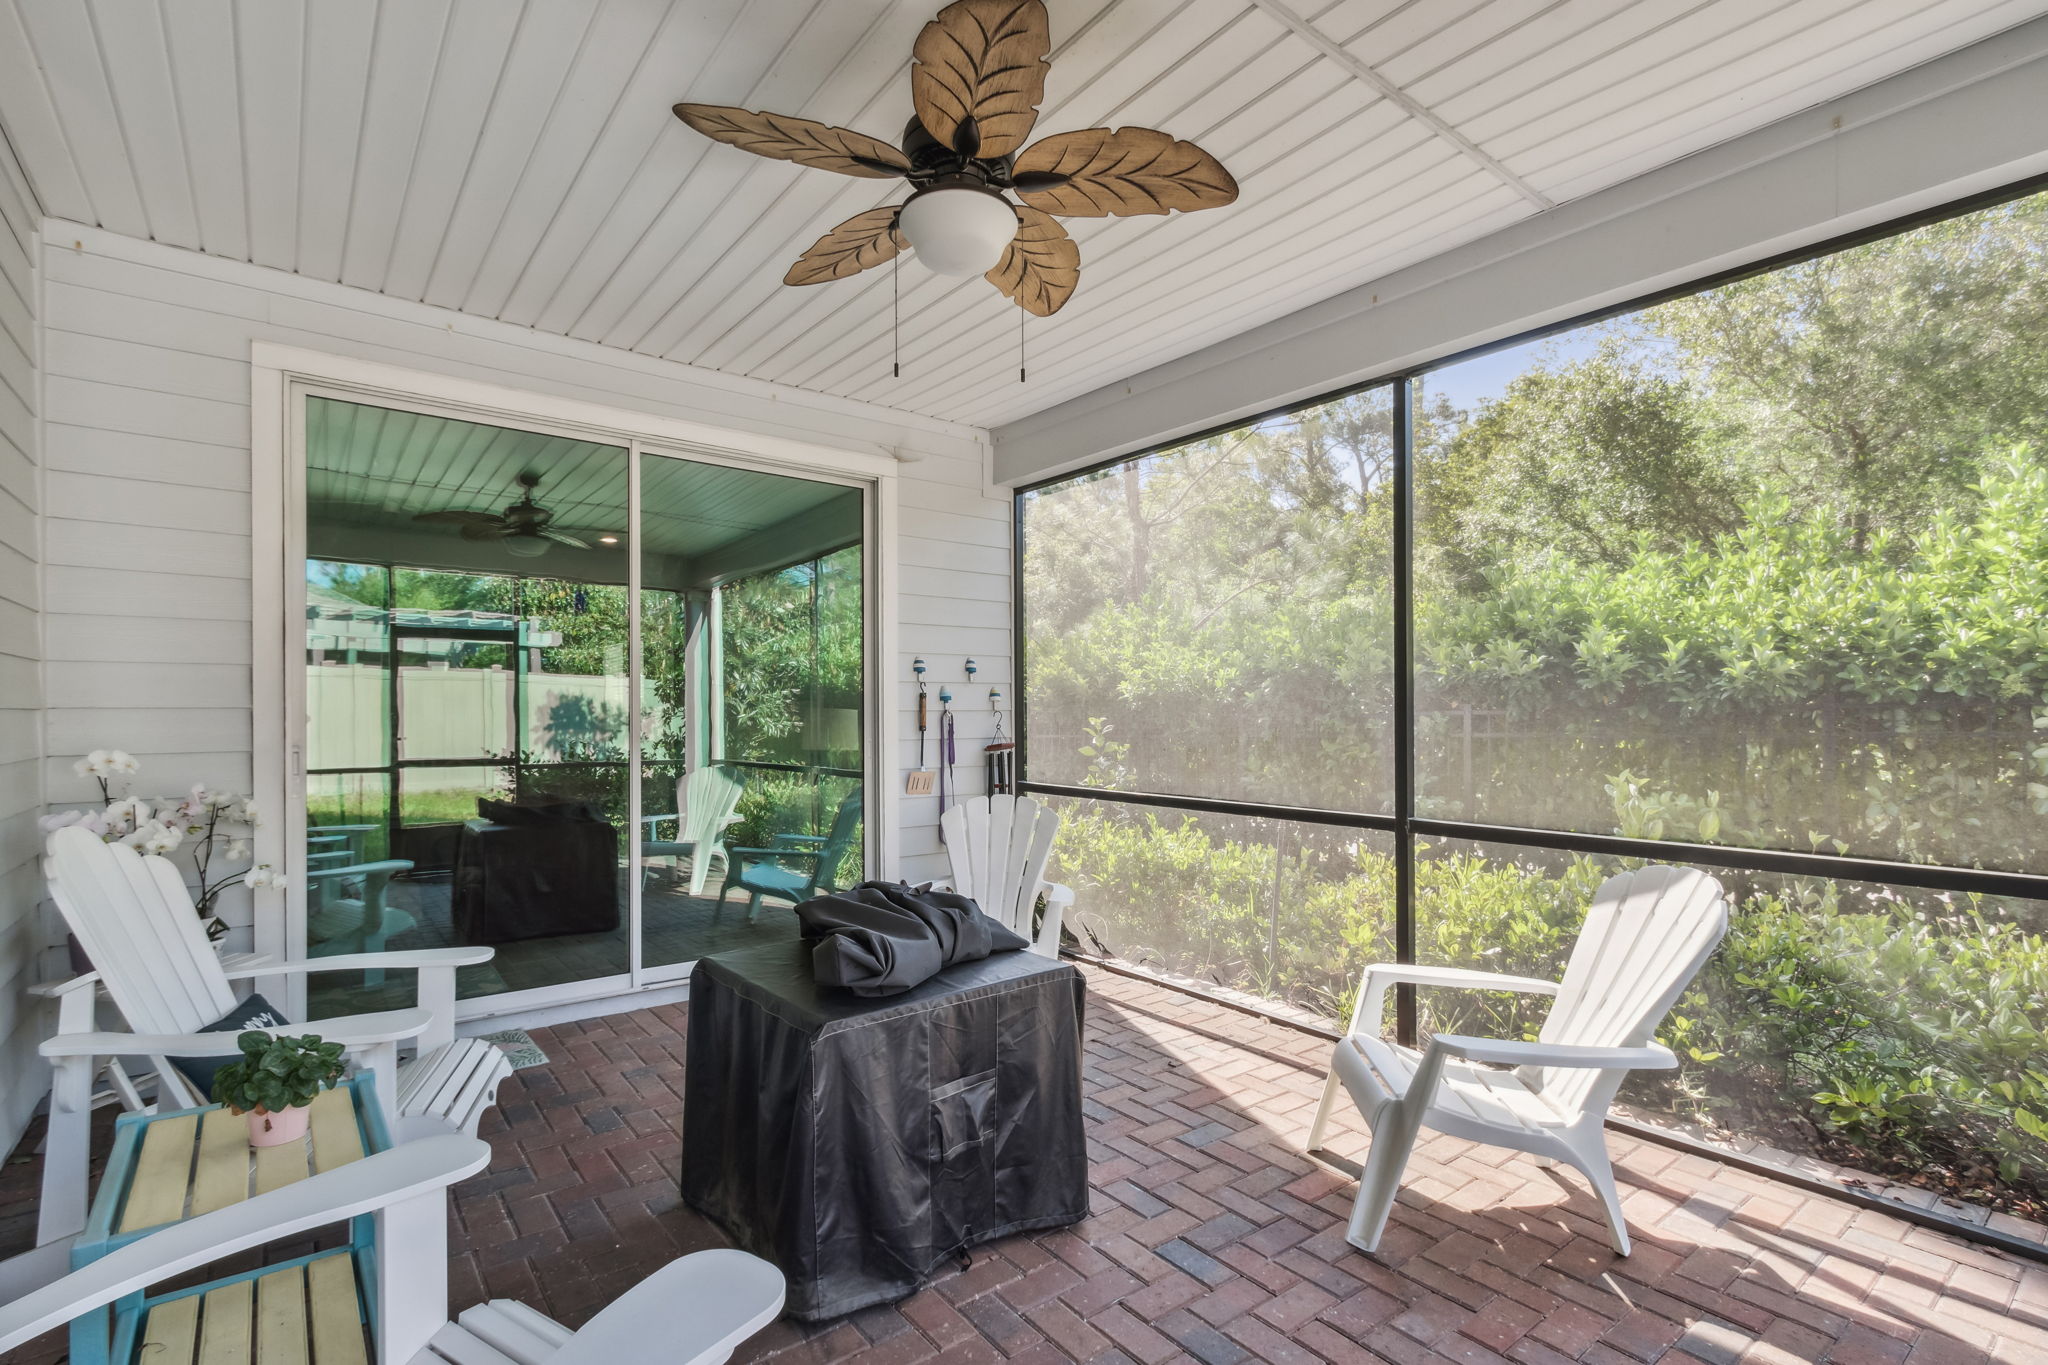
519,1047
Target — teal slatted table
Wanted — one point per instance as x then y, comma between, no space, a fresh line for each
165,1168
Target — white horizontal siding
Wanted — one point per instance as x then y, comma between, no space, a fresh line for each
23,1076
149,518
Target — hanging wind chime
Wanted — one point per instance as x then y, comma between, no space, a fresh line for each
1000,753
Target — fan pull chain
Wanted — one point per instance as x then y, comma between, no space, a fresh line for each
896,314
1020,345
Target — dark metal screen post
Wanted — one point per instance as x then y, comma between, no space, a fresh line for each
1404,703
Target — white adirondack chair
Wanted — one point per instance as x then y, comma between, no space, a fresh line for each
345,910
693,1311
135,919
998,846
705,801
1645,937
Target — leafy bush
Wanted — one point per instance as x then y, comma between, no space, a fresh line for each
277,1072
1894,1029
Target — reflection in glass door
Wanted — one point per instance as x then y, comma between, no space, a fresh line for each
467,700
753,661
477,665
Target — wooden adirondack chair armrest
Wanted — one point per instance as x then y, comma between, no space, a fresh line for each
1372,987
390,1177
237,965
353,1031
1502,1052
713,1300
400,960
56,990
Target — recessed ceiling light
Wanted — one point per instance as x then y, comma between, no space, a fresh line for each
607,540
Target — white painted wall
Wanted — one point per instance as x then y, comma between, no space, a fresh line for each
22,1074
1963,124
149,518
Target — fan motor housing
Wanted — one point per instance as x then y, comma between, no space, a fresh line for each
932,161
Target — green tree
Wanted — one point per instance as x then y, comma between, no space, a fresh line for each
1869,381
1590,460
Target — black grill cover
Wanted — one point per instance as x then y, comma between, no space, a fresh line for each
515,882
860,1144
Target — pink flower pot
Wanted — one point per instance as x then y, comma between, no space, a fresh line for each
274,1130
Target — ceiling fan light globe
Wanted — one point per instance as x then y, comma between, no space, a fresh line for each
958,230
525,547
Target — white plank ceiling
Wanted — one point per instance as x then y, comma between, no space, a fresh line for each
516,159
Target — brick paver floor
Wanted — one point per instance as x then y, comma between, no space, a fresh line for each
1212,1238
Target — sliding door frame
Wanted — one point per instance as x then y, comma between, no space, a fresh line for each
283,378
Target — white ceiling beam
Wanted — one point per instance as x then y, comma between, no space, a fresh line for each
1416,109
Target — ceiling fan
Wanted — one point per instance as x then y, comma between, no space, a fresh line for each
524,528
976,80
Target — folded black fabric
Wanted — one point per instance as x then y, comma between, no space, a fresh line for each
882,938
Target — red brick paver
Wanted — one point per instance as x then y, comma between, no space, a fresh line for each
1213,1238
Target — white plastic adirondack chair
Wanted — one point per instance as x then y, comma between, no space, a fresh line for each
135,919
706,800
1645,937
998,846
693,1311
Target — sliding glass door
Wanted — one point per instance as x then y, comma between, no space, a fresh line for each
503,628
753,666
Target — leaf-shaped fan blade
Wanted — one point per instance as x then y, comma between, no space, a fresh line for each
461,519
564,538
861,241
1095,173
494,529
1041,266
802,140
980,74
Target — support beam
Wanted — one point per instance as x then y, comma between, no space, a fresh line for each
1362,72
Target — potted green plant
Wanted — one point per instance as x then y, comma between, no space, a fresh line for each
276,1078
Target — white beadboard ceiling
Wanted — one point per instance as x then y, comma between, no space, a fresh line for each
515,159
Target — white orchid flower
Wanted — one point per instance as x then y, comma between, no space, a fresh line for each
121,761
129,810
238,850
163,839
249,810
